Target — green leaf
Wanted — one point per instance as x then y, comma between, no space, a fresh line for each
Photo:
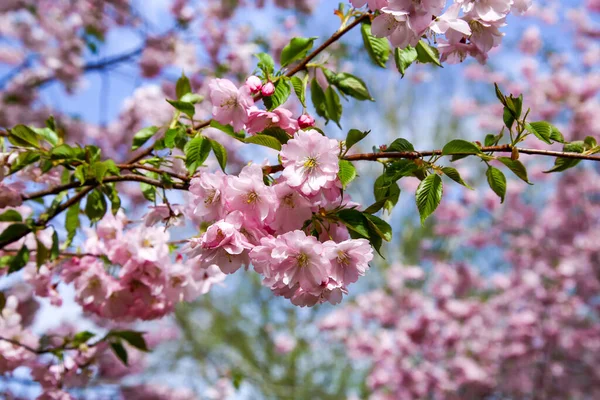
352,86
557,136
277,133
404,58
265,63
24,159
299,86
508,118
185,107
355,221
182,86
491,139
72,222
142,136
401,145
516,167
427,54
119,351
380,227
19,261
95,206
81,337
590,142
148,191
459,146
23,136
113,195
542,130
562,164
354,136
175,137
47,134
192,98
318,99
264,140
13,231
429,195
220,153
280,96
347,173
377,48
296,49
134,338
64,152
228,129
497,182
333,104
196,152
453,174
54,249
41,253
11,216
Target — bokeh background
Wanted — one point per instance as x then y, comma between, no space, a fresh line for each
486,301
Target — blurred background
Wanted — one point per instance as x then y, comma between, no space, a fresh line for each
486,301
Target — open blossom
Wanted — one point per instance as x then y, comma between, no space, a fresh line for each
373,4
223,245
293,209
349,259
486,10
310,161
449,21
208,198
230,104
259,120
249,194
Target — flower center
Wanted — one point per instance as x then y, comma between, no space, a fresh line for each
289,200
252,197
210,197
230,103
302,260
311,163
343,258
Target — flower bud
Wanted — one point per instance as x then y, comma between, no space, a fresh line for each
305,121
254,83
268,89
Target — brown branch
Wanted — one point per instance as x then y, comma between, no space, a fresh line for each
109,179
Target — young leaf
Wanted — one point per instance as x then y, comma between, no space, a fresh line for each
134,338
354,136
400,145
182,86
142,137
429,195
220,153
72,222
95,206
542,130
352,86
185,107
404,58
280,96
299,86
516,167
333,104
264,140
427,54
11,216
347,173
196,152
497,182
296,49
23,136
377,48
265,63
318,99
459,146
453,174
119,351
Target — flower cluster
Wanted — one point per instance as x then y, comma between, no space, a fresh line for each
473,34
140,280
262,224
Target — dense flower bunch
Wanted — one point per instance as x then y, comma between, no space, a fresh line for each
473,34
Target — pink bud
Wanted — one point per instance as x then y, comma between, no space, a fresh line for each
305,121
268,89
254,83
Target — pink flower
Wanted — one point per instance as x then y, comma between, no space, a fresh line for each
208,195
310,161
305,121
292,211
230,104
222,245
254,84
9,197
349,259
249,194
373,4
268,89
286,120
449,21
